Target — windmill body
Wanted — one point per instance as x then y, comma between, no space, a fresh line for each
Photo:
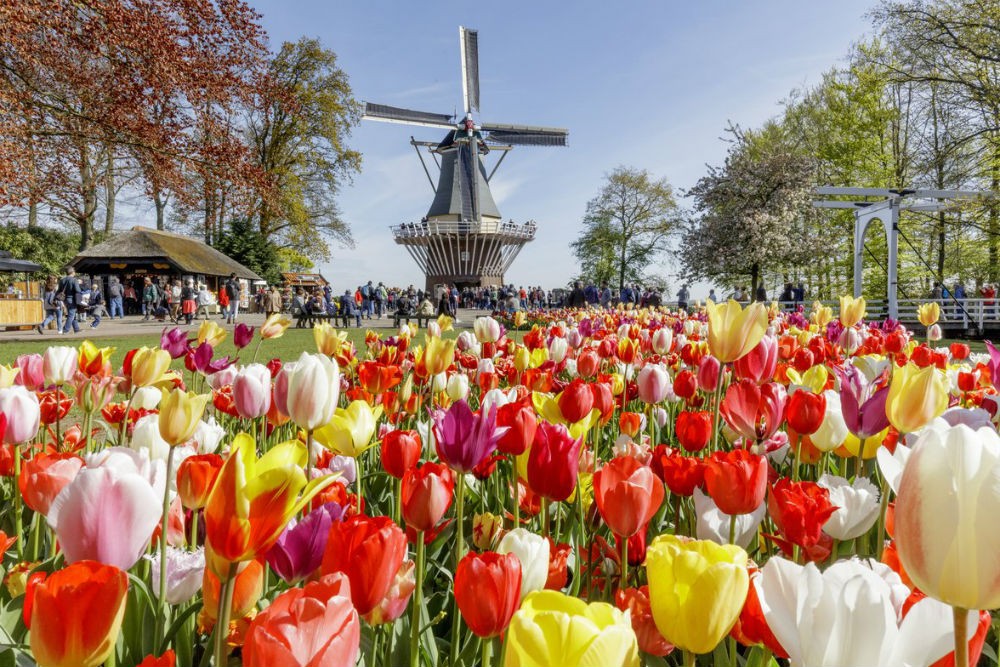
462,240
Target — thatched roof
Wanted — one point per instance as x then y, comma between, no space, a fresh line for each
142,248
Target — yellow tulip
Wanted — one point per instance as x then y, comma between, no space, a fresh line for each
522,358
439,354
92,358
852,444
928,313
149,365
275,326
916,396
538,357
821,315
180,413
732,330
851,310
552,629
813,379
7,375
211,333
329,341
520,319
444,322
696,590
351,430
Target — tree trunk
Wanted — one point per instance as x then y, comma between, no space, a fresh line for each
993,218
32,212
160,202
109,195
754,280
621,269
88,188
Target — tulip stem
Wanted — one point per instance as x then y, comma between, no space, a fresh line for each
883,509
487,651
17,502
623,584
309,454
359,470
545,517
222,617
516,494
689,658
732,529
164,608
456,619
961,643
797,462
418,595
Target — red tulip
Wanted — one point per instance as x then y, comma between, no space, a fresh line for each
378,378
959,351
627,494
758,365
311,626
604,400
803,360
369,550
168,659
553,462
426,494
636,602
751,628
44,476
682,474
488,591
805,411
558,565
736,480
521,422
799,510
709,369
685,384
587,363
755,412
400,452
576,401
195,478
693,429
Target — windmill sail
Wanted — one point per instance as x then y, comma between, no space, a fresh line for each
470,68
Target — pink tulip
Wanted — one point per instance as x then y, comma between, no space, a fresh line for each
708,373
110,509
31,371
21,408
662,340
760,363
654,383
252,391
395,601
755,412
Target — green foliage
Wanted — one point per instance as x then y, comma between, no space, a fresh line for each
52,248
244,243
625,227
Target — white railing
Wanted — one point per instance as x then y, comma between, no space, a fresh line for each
435,227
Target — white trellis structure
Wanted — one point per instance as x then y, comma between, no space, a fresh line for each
884,205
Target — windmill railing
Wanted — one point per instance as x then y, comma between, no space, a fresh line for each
416,230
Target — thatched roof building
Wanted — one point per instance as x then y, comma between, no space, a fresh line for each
145,250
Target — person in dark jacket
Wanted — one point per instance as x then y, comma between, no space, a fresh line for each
69,292
577,298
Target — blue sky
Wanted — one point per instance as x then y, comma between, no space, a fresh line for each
645,84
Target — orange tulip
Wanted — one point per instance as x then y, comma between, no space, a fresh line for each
77,614
247,589
195,478
44,476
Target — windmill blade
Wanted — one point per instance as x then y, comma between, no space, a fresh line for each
525,135
388,114
469,40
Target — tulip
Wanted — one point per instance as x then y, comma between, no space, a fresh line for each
846,616
31,371
693,429
486,530
59,363
426,494
458,386
755,412
378,378
736,480
400,452
298,553
195,477
552,628
732,330
928,313
146,437
715,525
351,430
369,550
833,430
588,362
628,494
533,553
631,423
682,474
521,423
175,342
862,404
329,341
916,396
487,329
805,411
247,586
439,354
210,332
857,506
760,363
462,438
275,326
799,510
23,414
395,601
488,591
92,394
180,414
636,602
310,390
696,590
185,572
252,391
553,462
242,336
168,659
934,332
575,401
662,340
851,310
253,499
110,509
948,498
44,476
709,369
653,383
77,614
148,366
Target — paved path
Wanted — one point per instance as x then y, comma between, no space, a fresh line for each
134,325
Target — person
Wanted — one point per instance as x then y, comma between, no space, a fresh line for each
131,301
53,307
204,300
176,291
605,296
232,289
69,293
426,307
799,293
444,304
577,298
786,294
682,297
761,294
150,295
349,308
189,301
712,297
115,294
989,293
96,305
381,299
274,301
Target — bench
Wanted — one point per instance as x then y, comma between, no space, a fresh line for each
422,320
304,319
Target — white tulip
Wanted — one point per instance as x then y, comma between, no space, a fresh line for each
713,523
858,505
458,386
146,398
533,552
833,431
59,363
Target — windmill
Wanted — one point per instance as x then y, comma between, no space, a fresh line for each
463,240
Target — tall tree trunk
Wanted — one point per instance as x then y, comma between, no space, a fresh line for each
621,269
88,188
993,217
939,274
32,211
160,202
109,195
754,279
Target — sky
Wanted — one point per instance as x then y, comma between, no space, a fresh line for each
646,84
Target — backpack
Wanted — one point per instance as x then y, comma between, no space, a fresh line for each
232,289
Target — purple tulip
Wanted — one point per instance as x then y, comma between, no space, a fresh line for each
863,409
299,551
464,438
242,336
174,341
994,363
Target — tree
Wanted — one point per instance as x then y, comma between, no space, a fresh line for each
244,243
752,211
625,227
51,248
298,130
